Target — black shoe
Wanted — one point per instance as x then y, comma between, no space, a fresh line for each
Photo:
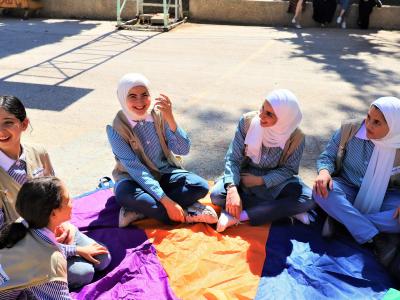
385,247
328,230
378,3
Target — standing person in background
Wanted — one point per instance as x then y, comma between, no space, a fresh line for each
323,11
365,8
296,7
20,162
344,6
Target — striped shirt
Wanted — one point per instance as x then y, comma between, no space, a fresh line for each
178,142
268,168
17,171
55,290
355,160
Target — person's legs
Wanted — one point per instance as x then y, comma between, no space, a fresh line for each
132,197
218,193
383,220
81,271
294,198
184,187
339,205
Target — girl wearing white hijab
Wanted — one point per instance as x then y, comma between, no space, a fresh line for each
365,192
149,179
260,182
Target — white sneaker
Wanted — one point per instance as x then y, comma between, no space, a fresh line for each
339,20
199,213
126,217
294,21
225,220
344,25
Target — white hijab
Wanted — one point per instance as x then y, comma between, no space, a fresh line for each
375,182
127,82
287,110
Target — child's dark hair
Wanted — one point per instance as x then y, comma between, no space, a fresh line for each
13,105
35,201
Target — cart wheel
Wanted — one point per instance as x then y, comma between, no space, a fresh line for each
26,14
6,12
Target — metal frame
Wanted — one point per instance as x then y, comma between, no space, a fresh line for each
140,4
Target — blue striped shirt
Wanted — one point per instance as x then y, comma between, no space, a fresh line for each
268,168
178,142
54,290
355,161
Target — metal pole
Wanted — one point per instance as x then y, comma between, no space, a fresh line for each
118,12
165,14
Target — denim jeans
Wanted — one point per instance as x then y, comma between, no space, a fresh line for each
262,207
181,186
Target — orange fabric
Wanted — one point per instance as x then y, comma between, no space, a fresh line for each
204,264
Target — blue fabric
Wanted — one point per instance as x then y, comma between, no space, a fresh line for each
300,264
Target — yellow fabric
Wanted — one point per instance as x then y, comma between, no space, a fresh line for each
204,264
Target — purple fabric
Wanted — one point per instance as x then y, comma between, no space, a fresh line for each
135,271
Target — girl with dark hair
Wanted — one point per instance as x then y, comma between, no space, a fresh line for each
20,162
31,264
358,182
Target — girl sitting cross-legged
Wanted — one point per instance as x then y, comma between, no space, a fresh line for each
260,182
150,181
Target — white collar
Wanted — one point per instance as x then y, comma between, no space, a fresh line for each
6,162
149,118
362,132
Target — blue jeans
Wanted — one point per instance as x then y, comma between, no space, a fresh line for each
339,205
181,186
262,207
80,271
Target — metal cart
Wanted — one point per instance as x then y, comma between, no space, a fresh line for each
28,6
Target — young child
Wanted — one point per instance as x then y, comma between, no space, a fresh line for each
260,182
31,264
364,159
149,178
20,162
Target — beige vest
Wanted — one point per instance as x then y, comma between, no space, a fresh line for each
294,141
124,129
37,164
348,131
31,262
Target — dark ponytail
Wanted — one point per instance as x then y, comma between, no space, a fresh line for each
36,200
13,105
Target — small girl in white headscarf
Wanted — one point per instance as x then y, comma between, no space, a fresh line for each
150,181
260,182
365,189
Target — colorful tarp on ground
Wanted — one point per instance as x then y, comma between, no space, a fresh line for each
282,261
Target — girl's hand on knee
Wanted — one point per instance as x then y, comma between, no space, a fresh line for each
249,180
174,210
233,203
88,252
322,183
164,104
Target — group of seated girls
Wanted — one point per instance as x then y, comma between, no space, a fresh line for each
358,184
